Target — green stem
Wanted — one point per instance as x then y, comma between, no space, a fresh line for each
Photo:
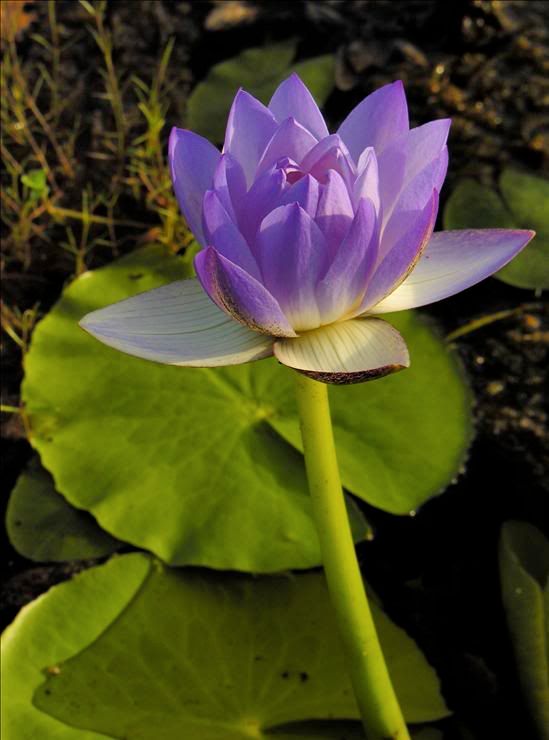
376,699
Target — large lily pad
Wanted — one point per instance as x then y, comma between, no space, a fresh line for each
524,570
193,465
43,526
225,657
521,203
51,629
259,71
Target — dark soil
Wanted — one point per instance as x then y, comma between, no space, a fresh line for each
482,63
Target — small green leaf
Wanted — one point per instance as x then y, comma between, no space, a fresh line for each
197,654
524,571
523,206
36,182
43,526
259,71
51,629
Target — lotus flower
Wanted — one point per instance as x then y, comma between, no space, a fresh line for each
307,238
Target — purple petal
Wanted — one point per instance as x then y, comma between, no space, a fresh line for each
249,129
335,212
222,233
240,295
305,192
263,197
293,99
290,141
399,262
291,252
344,284
346,352
330,154
381,118
453,261
367,183
229,184
192,164
176,324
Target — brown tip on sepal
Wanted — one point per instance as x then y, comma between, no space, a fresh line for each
352,378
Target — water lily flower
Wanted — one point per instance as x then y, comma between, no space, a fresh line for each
307,239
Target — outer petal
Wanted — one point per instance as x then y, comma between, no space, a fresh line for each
453,261
344,284
290,141
229,184
347,352
400,261
381,118
292,98
249,129
291,253
176,324
192,163
223,234
240,295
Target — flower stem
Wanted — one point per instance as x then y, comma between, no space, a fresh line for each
376,699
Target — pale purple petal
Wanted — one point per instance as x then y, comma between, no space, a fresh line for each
222,233
192,164
249,129
335,212
229,184
399,262
291,252
330,154
292,98
290,141
367,183
263,197
452,262
342,288
176,324
381,118
305,192
346,352
240,295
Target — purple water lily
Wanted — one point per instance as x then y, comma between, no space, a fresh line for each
307,237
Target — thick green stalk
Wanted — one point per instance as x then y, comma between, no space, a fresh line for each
381,714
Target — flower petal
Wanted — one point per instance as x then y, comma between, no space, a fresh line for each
378,120
334,214
346,352
176,324
453,261
292,98
222,233
344,284
229,184
291,253
330,154
400,261
263,197
250,127
305,192
192,164
240,295
366,184
290,141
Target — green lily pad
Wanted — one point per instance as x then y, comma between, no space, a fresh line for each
259,71
524,572
225,657
522,204
51,629
43,526
194,465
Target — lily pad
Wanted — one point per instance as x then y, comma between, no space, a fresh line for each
43,526
521,204
225,657
524,571
51,629
193,464
259,71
